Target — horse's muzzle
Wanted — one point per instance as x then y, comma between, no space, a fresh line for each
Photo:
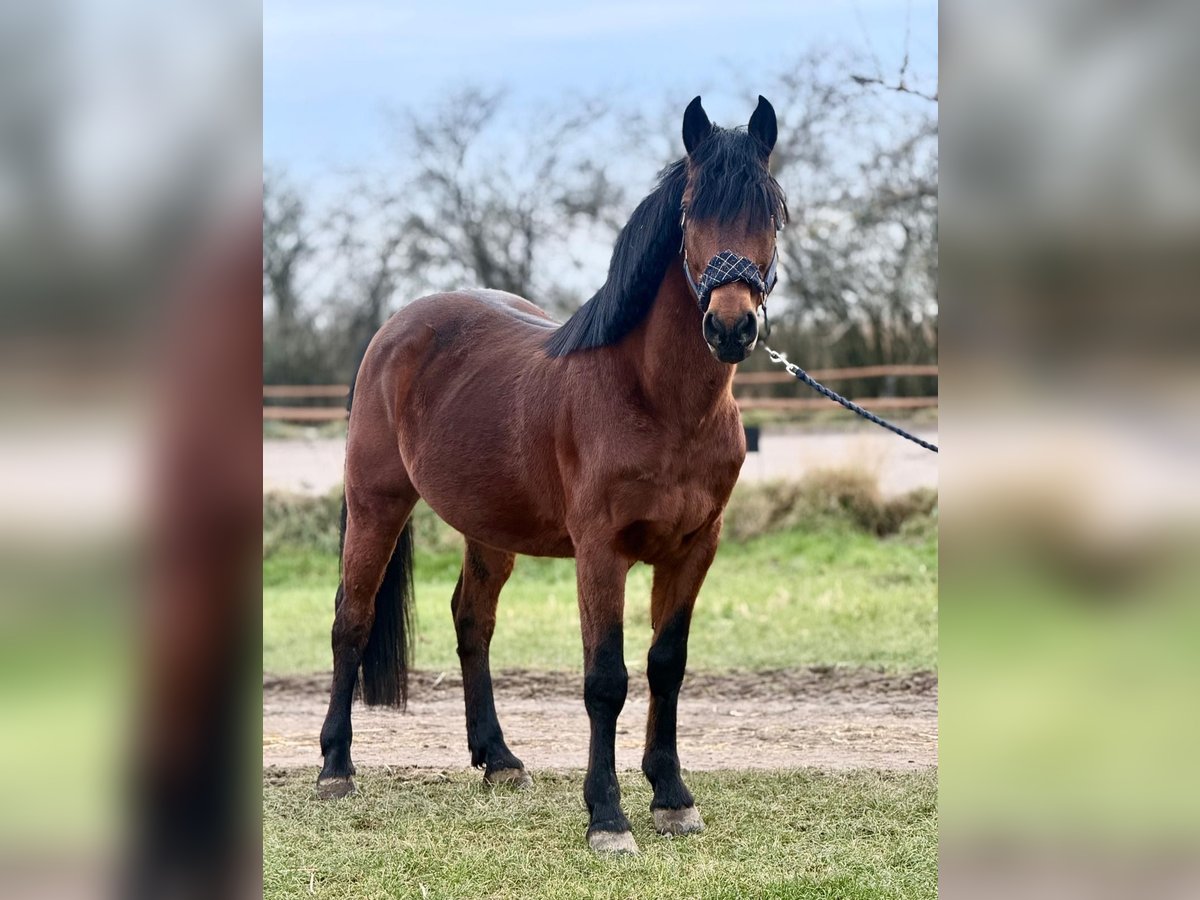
731,344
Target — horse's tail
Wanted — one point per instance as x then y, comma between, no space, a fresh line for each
384,677
385,659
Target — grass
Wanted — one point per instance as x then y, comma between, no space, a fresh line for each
792,834
833,596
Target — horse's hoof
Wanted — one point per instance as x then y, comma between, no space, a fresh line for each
612,842
678,821
335,787
517,778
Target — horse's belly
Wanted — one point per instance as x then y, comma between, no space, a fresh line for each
480,501
506,529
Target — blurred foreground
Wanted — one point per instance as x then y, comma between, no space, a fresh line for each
130,303
1071,451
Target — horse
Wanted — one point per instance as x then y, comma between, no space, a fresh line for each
612,438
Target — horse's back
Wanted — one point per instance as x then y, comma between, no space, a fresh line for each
513,305
491,339
454,332
459,312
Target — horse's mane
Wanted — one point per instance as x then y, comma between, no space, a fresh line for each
729,182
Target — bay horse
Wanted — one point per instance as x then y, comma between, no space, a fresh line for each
612,438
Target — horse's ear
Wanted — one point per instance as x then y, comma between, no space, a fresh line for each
696,126
763,125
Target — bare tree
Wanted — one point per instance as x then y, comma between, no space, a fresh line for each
475,200
294,348
486,202
367,233
287,245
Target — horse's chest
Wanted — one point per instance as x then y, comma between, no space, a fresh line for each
667,501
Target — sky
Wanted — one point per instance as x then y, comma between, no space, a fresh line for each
331,71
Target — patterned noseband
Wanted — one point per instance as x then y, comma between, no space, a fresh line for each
726,268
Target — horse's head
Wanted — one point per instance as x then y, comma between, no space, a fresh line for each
732,208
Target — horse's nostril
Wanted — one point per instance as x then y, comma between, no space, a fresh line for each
748,328
711,332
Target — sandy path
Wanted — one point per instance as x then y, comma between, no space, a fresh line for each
315,466
832,719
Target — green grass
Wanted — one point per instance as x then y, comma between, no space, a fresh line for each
833,595
791,834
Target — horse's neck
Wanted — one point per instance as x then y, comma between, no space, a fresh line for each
679,374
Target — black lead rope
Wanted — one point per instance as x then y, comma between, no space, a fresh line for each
801,375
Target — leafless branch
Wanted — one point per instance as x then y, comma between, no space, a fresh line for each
900,86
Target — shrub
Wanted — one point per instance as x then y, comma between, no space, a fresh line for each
298,521
823,498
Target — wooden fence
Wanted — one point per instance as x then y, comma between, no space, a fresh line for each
338,392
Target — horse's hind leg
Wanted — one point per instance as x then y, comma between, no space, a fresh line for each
374,522
672,599
484,573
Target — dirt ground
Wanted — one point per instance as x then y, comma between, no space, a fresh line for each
314,466
823,717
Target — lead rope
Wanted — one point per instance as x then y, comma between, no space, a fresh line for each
801,375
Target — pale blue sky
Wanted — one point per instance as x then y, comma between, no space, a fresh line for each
331,69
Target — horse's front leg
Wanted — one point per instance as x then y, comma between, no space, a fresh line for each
601,573
673,596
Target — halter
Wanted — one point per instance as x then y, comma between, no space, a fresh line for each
728,267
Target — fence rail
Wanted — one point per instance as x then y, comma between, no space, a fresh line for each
305,390
745,379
